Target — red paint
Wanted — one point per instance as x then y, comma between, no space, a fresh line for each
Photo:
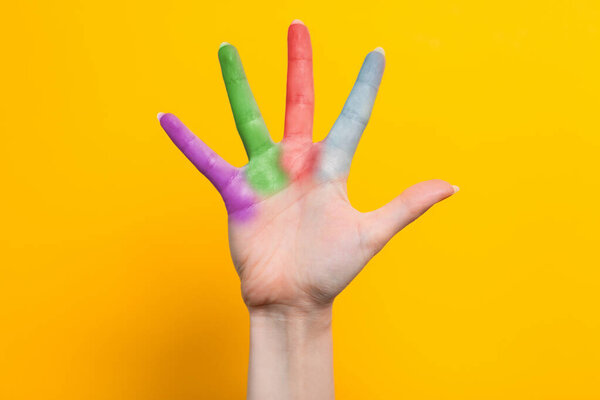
299,152
299,158
300,99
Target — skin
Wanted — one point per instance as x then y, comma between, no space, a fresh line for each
295,240
264,172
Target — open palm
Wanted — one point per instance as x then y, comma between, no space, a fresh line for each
294,237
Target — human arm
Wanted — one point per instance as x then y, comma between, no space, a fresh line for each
295,240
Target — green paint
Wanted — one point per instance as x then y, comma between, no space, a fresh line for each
263,170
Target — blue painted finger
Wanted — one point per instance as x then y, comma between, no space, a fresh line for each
342,140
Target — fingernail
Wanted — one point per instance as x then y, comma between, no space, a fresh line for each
456,188
380,50
224,44
297,21
159,115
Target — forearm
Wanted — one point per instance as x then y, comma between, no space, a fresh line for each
291,353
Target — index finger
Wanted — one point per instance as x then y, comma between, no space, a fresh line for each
341,142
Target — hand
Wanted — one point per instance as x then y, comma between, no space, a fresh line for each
295,239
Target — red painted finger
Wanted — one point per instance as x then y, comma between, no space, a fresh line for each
300,99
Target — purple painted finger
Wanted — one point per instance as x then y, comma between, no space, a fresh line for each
229,180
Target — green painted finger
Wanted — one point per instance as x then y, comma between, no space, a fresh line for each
248,120
263,171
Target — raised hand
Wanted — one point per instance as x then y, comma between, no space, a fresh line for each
295,239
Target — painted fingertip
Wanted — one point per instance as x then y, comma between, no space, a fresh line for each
159,115
297,22
456,188
224,44
380,50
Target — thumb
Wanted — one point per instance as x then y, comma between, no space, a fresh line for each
382,224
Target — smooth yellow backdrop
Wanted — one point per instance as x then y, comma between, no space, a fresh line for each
115,277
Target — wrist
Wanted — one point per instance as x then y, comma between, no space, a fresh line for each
295,319
290,352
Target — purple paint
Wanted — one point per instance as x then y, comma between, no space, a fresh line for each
229,180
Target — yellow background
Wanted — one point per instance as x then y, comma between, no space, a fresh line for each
115,278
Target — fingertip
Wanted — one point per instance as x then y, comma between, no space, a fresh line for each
299,40
168,121
226,52
456,188
380,50
375,61
297,29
